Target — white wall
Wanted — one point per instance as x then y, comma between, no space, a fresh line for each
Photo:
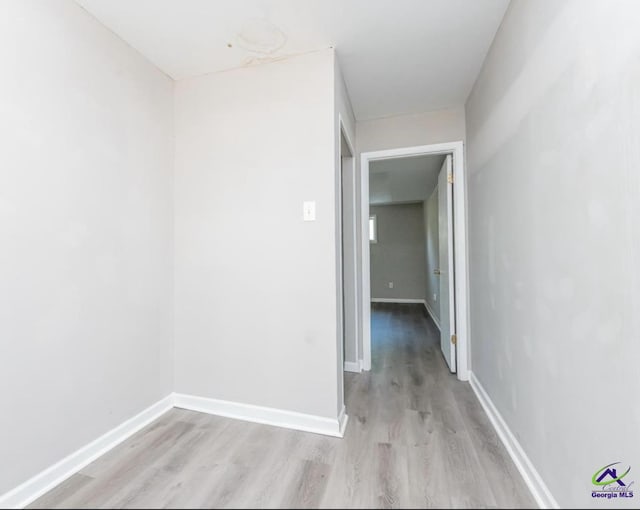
553,126
255,286
399,254
342,104
85,234
410,130
432,253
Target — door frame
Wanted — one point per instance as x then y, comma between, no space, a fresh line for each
456,149
355,306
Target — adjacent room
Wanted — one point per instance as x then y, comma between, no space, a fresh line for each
404,255
319,253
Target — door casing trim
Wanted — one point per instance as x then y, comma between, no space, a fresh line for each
461,258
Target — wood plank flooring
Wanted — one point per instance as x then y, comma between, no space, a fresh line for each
416,438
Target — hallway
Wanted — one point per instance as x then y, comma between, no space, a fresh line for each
423,425
417,437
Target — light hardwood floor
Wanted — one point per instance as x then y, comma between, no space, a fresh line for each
417,437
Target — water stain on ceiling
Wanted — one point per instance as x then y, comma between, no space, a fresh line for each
261,39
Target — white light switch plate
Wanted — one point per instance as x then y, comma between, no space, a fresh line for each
309,211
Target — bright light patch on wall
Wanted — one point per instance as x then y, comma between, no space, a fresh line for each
373,228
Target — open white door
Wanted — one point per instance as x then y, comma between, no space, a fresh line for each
447,289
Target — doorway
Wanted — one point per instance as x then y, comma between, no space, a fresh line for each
347,246
453,259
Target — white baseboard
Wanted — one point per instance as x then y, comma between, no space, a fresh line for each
396,300
46,480
343,419
353,366
264,415
531,477
435,320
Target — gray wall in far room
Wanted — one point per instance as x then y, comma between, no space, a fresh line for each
399,254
